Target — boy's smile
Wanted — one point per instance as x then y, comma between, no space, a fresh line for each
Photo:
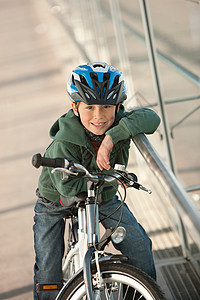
96,118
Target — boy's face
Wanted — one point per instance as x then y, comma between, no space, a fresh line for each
96,118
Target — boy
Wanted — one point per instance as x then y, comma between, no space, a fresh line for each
96,133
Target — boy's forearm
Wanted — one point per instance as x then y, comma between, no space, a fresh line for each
103,154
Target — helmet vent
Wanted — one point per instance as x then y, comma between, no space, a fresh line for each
110,94
83,80
94,76
106,76
98,65
116,81
86,94
92,94
73,79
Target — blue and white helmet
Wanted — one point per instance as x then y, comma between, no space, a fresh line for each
97,83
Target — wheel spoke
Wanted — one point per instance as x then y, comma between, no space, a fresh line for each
120,294
125,291
134,294
109,291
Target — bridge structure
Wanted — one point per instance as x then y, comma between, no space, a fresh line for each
156,45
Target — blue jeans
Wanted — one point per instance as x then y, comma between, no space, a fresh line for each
49,241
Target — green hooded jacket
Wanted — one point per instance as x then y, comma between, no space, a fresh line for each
70,141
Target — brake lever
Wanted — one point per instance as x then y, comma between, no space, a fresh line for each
130,180
66,172
139,186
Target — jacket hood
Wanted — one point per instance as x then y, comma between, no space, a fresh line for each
68,128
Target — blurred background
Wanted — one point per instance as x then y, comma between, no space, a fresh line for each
156,44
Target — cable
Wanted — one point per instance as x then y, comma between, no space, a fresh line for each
120,206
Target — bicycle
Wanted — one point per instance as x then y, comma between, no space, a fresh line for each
92,273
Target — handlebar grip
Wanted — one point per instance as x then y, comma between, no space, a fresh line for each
38,161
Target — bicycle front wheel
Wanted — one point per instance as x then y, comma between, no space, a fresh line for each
119,281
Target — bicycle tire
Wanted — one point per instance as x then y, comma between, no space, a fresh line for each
117,278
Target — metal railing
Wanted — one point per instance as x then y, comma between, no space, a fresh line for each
188,215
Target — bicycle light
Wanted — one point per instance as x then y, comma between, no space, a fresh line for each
119,234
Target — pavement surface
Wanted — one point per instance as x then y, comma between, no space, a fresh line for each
32,97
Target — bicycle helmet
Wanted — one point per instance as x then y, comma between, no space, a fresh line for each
97,83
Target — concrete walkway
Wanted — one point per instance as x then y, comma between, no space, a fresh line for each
32,97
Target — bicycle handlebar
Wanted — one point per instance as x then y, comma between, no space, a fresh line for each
38,161
66,165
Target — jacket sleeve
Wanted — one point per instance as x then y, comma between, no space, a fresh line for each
142,120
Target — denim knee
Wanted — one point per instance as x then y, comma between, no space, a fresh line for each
136,244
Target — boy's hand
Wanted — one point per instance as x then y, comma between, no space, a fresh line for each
103,153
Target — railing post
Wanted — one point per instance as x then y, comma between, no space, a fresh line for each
153,62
